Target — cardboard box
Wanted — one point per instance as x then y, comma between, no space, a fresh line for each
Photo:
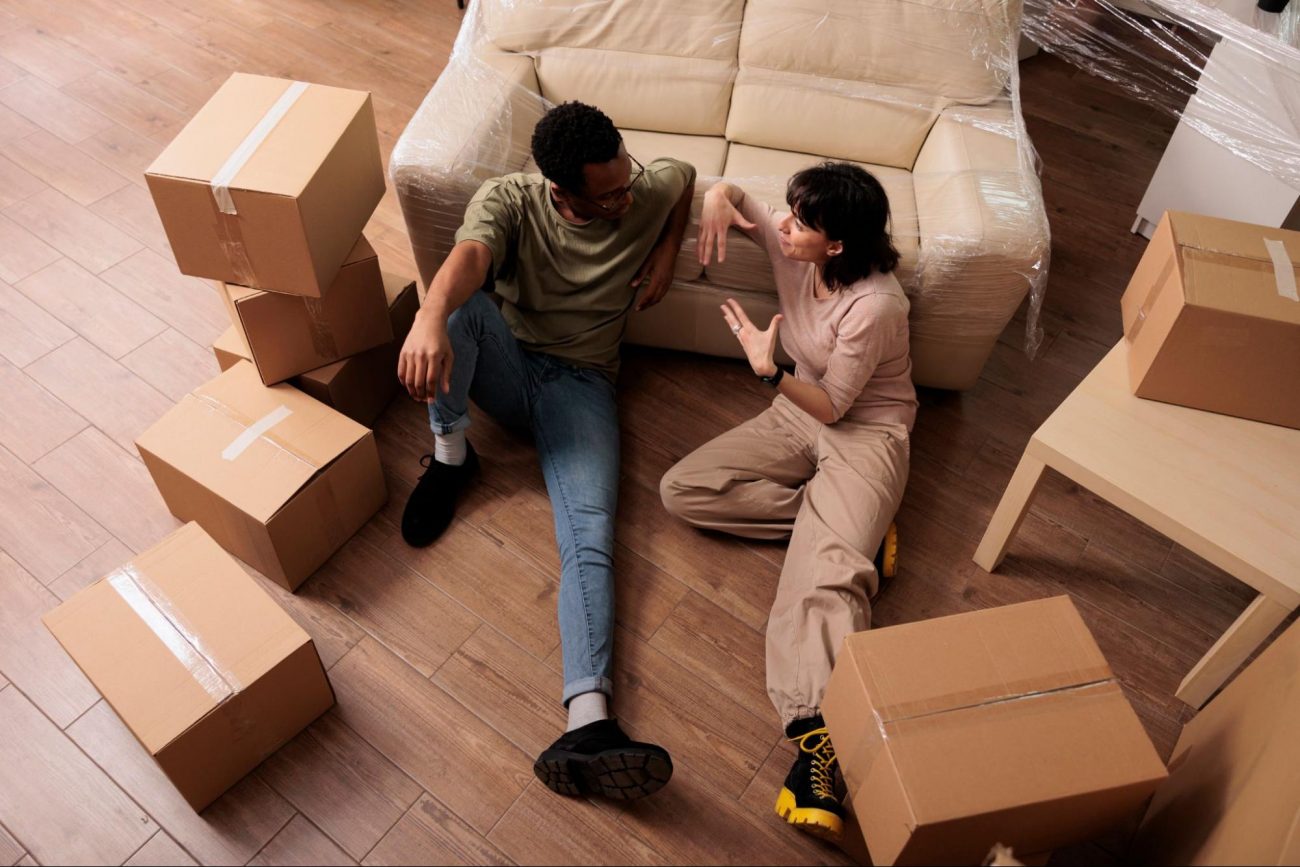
207,672
270,184
278,478
230,349
1212,318
1233,795
999,726
360,387
290,334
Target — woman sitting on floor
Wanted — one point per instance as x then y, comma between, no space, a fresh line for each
826,464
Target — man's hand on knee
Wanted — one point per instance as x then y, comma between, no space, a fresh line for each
426,358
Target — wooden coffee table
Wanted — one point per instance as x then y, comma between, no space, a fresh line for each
1226,488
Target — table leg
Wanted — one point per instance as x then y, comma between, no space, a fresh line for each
1246,633
1009,513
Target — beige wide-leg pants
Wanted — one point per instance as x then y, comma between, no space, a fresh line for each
832,490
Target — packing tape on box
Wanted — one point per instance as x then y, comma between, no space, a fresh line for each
216,406
322,335
1283,269
253,432
228,231
869,738
151,605
999,700
1165,278
232,245
239,157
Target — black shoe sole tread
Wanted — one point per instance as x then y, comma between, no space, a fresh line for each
622,774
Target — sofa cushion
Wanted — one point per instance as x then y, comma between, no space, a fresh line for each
665,65
952,48
864,80
871,122
764,173
690,319
708,153
678,28
686,95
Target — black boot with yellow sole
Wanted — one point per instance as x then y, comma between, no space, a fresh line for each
886,560
807,799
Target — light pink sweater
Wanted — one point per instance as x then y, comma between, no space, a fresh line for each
854,344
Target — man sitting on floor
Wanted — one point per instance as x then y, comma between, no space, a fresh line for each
567,250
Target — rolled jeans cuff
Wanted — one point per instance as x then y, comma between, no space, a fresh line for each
442,428
587,684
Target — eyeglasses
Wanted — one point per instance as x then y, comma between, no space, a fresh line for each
610,201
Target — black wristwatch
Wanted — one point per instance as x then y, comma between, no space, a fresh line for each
775,379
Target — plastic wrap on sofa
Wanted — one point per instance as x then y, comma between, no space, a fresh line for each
925,94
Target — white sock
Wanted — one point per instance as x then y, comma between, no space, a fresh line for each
449,448
587,708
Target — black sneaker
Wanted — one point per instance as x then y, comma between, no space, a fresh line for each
599,759
807,799
433,502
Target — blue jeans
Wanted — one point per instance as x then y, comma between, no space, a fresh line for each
574,421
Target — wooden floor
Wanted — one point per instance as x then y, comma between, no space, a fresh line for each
446,661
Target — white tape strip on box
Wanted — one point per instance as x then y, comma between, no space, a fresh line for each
1283,269
165,623
251,433
226,174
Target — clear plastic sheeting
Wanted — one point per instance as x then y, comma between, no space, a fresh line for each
1225,67
924,94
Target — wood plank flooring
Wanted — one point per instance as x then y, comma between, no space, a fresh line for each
446,661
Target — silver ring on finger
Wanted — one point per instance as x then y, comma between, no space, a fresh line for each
735,329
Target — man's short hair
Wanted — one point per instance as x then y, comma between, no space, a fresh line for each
570,136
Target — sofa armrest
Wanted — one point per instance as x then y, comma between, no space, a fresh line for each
984,237
475,123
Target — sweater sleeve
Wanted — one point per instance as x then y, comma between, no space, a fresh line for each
765,219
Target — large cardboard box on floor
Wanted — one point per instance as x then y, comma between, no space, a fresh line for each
270,183
1212,318
361,386
999,726
277,477
289,334
203,667
1233,795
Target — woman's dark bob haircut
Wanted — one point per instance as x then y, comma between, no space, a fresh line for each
848,204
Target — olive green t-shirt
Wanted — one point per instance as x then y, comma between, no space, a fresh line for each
566,288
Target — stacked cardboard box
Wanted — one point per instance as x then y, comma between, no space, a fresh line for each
360,386
277,477
289,334
270,184
266,191
998,726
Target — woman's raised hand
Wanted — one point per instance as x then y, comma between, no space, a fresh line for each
717,216
759,346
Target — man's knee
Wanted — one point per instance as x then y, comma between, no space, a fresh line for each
468,317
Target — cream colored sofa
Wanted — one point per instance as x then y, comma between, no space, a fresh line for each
920,92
